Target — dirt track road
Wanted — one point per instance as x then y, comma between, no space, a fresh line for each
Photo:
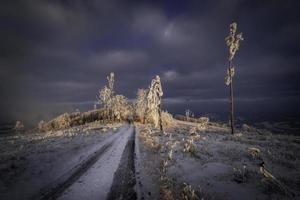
106,173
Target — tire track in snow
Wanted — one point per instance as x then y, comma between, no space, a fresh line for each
123,186
56,189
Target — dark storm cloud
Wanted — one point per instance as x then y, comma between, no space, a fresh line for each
55,54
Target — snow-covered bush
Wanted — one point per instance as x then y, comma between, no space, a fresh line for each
40,125
19,126
120,108
149,139
254,152
116,107
188,193
193,131
60,122
189,114
241,175
68,120
203,120
167,119
202,123
190,147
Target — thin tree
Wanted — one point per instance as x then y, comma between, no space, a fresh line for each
160,118
120,108
233,42
188,114
154,103
105,96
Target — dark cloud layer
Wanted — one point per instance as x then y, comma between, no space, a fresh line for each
54,55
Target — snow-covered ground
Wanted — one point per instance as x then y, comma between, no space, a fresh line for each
122,161
147,170
97,181
32,164
213,164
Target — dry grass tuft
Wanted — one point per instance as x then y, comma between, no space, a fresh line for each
167,189
19,126
166,194
272,183
254,152
190,147
241,175
149,138
188,193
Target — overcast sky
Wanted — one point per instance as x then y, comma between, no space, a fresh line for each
55,55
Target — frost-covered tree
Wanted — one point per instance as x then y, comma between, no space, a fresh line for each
188,114
141,105
105,96
19,126
233,43
111,81
116,107
154,102
120,108
233,40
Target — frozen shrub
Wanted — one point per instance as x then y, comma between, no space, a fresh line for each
188,193
204,120
120,108
202,123
189,147
67,120
91,116
194,133
254,152
249,128
105,96
166,189
149,139
241,175
166,194
172,146
201,126
19,126
189,114
273,183
193,130
167,119
62,121
40,125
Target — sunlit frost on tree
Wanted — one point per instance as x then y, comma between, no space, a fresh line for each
153,101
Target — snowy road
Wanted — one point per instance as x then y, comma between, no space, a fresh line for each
108,167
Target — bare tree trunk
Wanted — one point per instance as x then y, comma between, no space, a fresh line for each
160,120
231,109
144,117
